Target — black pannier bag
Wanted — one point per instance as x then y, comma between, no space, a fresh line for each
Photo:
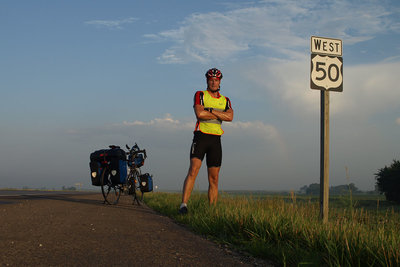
95,173
117,161
118,170
96,158
146,182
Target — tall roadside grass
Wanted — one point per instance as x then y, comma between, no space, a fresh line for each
290,232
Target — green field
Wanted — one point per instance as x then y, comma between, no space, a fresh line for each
363,230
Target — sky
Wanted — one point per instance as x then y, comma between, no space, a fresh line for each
77,76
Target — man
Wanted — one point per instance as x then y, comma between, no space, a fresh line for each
211,108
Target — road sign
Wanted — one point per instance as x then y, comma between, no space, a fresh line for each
326,64
326,46
326,73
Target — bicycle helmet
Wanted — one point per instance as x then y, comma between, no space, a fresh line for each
214,72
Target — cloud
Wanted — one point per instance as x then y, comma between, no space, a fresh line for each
271,38
286,81
265,131
257,130
111,24
260,131
367,89
398,121
166,123
272,26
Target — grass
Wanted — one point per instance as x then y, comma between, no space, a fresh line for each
287,229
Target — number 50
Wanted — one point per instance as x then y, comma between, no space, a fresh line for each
326,73
332,75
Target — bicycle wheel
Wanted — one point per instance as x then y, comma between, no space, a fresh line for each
111,192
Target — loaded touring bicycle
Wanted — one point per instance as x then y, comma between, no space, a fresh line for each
118,172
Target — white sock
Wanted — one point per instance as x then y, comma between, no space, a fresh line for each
183,205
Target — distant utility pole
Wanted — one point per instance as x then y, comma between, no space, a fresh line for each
79,185
326,75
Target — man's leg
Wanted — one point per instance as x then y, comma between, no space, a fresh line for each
194,168
213,173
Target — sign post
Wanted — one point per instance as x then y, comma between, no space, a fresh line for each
326,75
324,157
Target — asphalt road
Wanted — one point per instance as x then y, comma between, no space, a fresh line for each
17,192
54,229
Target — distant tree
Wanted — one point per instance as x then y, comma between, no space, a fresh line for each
339,190
388,181
313,189
303,189
353,188
344,189
71,188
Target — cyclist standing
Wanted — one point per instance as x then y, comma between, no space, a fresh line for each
211,108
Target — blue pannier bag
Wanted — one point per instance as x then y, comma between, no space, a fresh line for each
138,161
146,182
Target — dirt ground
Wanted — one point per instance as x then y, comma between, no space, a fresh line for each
79,230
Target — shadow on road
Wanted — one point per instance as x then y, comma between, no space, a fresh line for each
95,199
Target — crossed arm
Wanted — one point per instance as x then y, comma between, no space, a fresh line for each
203,114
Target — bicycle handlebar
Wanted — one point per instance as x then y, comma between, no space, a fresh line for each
136,150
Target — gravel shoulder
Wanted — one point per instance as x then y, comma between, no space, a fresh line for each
79,230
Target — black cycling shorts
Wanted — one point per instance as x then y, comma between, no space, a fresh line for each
207,144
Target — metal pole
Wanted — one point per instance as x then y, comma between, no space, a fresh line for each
324,164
